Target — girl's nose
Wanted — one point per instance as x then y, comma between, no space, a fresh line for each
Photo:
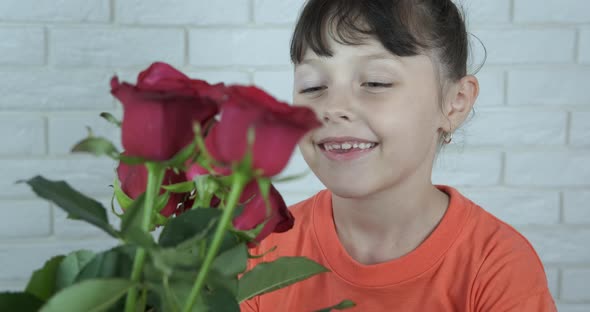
336,115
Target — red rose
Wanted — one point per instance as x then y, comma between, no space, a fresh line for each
255,212
133,180
278,127
159,112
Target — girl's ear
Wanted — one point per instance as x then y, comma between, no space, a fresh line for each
459,102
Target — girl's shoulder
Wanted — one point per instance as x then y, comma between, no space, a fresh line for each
503,261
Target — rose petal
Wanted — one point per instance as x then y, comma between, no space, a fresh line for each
255,212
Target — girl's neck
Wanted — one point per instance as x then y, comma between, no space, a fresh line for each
389,224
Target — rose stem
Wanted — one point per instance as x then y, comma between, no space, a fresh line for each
238,184
155,177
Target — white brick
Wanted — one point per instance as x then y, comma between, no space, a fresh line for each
574,285
467,168
548,168
516,128
23,259
279,84
305,186
13,285
518,207
182,12
277,12
227,77
528,46
107,46
572,307
255,47
55,89
211,76
558,11
548,87
287,11
66,228
49,11
22,134
28,219
576,207
66,130
22,46
88,174
553,281
584,46
484,11
580,129
560,244
491,86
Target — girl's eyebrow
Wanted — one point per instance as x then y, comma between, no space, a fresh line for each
374,56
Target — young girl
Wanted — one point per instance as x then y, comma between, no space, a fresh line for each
388,78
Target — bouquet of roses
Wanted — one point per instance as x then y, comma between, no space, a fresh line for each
206,180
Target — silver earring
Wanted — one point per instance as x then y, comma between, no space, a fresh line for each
447,137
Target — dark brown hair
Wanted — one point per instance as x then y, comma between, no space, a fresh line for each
404,27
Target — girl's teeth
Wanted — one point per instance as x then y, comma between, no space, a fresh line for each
347,146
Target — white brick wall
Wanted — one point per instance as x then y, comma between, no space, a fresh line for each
524,156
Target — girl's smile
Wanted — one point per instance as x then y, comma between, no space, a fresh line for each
346,148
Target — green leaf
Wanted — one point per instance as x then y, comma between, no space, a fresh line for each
76,204
269,276
173,290
250,235
70,266
19,301
168,260
110,118
97,146
233,261
221,299
346,304
172,287
113,263
122,198
182,187
216,280
172,294
43,281
131,224
90,296
191,224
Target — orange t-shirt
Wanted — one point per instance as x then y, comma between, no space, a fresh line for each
471,262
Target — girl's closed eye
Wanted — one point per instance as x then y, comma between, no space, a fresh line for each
312,89
373,84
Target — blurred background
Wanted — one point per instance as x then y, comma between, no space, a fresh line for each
524,156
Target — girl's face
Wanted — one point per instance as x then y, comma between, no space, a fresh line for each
381,114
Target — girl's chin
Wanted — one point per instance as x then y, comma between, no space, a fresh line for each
350,190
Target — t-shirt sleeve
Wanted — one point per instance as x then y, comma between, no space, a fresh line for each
541,302
512,279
